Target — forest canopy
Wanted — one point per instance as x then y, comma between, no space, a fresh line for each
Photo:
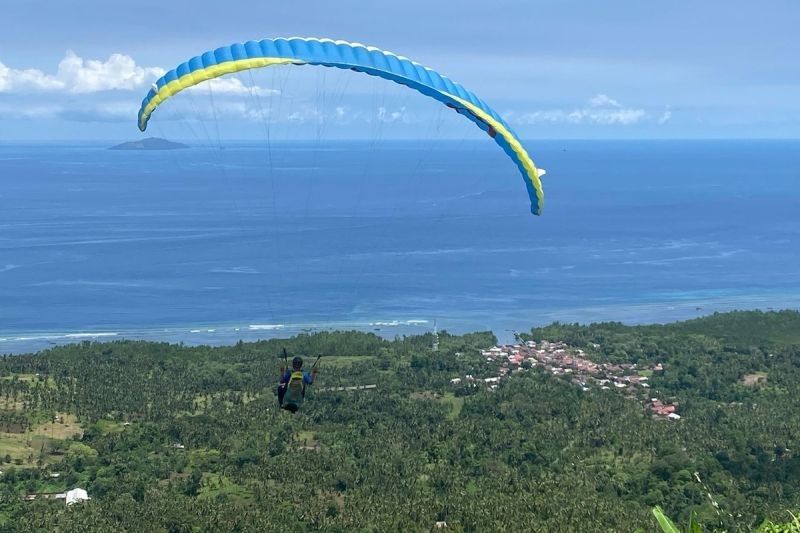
170,437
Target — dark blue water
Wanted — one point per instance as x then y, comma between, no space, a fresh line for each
210,245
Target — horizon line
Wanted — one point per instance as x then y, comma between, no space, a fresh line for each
398,139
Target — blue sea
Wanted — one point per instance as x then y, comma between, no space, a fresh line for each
246,240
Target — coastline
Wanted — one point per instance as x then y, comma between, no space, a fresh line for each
502,325
18,343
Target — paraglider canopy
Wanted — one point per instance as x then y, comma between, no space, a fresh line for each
358,58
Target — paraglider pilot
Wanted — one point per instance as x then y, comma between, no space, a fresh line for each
292,388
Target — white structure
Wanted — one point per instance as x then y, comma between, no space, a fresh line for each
76,496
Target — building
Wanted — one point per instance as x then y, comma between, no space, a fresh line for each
76,496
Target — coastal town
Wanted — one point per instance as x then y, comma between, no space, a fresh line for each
559,359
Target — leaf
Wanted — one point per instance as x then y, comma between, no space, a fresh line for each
694,525
666,524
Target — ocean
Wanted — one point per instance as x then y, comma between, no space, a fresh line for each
243,241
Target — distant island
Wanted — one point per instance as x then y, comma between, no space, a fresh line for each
151,143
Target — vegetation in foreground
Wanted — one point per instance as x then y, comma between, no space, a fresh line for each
171,438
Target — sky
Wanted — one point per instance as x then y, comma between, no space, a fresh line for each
78,69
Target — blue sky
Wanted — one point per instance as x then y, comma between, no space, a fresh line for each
74,69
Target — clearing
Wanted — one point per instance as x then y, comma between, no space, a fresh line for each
44,438
754,379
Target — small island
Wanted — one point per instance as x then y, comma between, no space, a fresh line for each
150,143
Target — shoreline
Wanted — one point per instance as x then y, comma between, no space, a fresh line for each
502,325
19,343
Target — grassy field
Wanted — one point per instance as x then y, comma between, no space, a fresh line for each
338,361
20,377
306,440
28,378
215,485
456,403
14,444
754,379
109,426
10,404
65,428
42,438
449,399
305,435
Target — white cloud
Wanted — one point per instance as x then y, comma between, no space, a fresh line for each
343,115
187,110
666,116
607,116
119,72
388,117
602,100
305,115
13,80
231,87
599,109
78,75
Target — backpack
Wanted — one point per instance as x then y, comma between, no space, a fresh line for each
295,389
